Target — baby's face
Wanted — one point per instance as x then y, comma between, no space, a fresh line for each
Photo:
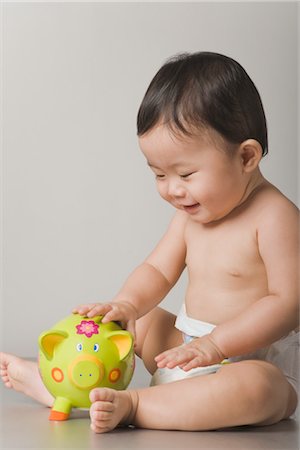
194,174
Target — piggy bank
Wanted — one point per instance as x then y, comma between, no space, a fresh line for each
79,354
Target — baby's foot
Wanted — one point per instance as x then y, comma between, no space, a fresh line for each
23,376
111,408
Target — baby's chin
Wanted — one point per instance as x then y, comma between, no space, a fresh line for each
207,218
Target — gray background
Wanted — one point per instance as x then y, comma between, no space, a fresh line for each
80,209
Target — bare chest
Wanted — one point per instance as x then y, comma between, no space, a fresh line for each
223,254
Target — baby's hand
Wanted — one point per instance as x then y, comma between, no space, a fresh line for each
123,312
199,352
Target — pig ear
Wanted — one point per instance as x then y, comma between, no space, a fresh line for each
49,340
123,340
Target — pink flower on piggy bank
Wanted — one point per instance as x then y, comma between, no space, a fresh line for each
87,327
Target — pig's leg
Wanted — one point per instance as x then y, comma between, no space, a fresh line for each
23,376
61,409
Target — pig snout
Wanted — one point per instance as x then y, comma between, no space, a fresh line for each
86,371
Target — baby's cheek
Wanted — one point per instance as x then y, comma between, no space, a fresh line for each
163,192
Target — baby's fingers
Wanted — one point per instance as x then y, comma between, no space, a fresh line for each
83,309
197,361
99,310
166,353
163,358
114,313
173,358
92,309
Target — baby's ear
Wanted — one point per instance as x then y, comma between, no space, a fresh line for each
251,154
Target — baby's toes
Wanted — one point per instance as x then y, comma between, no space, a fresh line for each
101,417
100,428
7,382
109,408
102,395
101,410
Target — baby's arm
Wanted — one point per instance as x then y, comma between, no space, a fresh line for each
269,318
276,314
149,283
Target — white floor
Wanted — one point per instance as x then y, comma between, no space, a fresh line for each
25,425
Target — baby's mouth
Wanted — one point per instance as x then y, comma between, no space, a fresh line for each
191,208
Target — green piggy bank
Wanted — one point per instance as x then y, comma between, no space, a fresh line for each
79,354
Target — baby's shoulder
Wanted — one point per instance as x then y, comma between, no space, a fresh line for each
272,205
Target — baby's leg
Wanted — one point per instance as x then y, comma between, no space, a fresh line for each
155,333
242,393
23,376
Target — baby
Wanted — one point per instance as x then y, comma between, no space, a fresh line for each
230,357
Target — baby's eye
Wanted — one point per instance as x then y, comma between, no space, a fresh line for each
186,175
159,176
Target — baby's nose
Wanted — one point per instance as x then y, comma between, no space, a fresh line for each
176,189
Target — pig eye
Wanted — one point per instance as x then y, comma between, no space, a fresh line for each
96,347
79,347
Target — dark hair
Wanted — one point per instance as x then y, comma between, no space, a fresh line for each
204,89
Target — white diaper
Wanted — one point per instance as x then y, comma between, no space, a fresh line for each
190,328
283,353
